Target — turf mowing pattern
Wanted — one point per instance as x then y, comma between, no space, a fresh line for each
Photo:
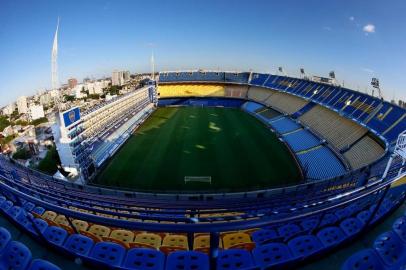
231,146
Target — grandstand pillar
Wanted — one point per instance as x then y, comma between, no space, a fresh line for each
214,246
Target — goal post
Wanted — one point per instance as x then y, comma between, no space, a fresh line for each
199,179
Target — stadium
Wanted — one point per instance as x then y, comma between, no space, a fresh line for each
215,170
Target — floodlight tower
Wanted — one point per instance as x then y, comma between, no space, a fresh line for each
54,60
376,85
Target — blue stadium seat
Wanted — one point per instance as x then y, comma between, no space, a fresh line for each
6,205
144,259
39,264
271,254
303,246
309,224
234,259
29,206
365,259
399,227
351,226
363,216
391,249
79,244
343,213
14,211
2,199
40,224
22,219
16,256
5,238
263,235
289,230
38,210
108,253
187,260
331,236
55,235
328,219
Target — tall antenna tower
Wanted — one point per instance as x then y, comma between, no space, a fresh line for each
152,66
54,74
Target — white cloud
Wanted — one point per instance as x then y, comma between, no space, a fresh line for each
327,28
352,18
369,28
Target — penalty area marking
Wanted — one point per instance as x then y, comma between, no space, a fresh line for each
201,179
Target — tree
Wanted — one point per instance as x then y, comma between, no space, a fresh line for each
50,163
38,121
22,154
94,96
69,98
21,123
4,122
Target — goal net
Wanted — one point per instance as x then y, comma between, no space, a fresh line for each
201,179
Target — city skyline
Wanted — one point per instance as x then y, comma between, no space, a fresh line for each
358,42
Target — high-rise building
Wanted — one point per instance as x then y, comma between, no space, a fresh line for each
9,109
72,82
35,112
45,99
22,104
120,77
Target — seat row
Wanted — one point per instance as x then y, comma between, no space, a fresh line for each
17,256
388,251
110,246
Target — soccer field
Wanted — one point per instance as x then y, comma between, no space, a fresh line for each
235,149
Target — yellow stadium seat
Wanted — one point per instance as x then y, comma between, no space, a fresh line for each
123,236
174,243
80,225
61,220
99,230
147,240
201,242
238,240
50,215
196,90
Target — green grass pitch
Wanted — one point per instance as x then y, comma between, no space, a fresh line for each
235,149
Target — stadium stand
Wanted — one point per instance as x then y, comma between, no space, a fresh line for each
364,152
285,103
192,76
337,130
278,228
194,90
258,79
311,160
259,94
284,125
301,139
236,91
236,77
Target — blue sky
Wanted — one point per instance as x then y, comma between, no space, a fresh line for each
357,39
